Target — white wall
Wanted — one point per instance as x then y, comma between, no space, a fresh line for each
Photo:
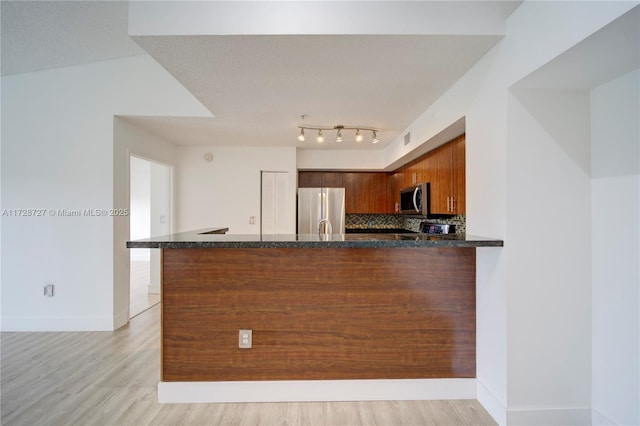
365,159
130,140
548,275
615,207
58,153
226,191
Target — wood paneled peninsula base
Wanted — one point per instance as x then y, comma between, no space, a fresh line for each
329,313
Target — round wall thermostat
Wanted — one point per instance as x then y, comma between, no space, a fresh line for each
208,157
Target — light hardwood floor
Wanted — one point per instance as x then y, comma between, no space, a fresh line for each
110,378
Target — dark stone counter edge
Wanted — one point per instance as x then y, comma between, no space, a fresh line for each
206,238
313,244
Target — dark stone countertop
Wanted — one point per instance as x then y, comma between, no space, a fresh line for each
205,238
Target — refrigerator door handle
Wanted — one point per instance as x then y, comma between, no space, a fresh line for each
327,227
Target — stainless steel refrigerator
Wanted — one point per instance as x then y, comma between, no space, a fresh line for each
321,210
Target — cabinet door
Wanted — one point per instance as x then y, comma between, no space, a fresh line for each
397,183
409,176
332,180
386,185
309,179
458,174
441,185
353,193
367,192
377,193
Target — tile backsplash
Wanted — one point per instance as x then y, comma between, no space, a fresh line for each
365,221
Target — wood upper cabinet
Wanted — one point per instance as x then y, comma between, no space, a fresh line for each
440,180
458,160
310,179
367,192
364,192
377,192
354,188
446,170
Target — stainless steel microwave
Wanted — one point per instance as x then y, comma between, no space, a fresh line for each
414,200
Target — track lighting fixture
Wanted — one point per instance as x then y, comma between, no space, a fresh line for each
358,135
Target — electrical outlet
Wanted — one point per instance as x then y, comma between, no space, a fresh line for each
245,338
48,290
252,220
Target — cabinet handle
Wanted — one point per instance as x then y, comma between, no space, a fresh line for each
448,204
453,204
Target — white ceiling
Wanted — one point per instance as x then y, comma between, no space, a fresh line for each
256,86
38,35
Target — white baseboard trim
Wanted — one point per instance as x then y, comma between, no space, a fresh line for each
599,419
549,416
86,323
316,390
491,403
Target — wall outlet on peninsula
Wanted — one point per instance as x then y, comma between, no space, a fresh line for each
245,338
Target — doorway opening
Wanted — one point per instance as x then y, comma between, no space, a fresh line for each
150,215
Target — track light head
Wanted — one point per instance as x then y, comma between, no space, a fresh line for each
301,135
358,136
320,138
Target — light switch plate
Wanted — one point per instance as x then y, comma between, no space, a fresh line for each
48,290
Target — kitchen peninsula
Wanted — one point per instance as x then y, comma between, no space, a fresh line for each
321,308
